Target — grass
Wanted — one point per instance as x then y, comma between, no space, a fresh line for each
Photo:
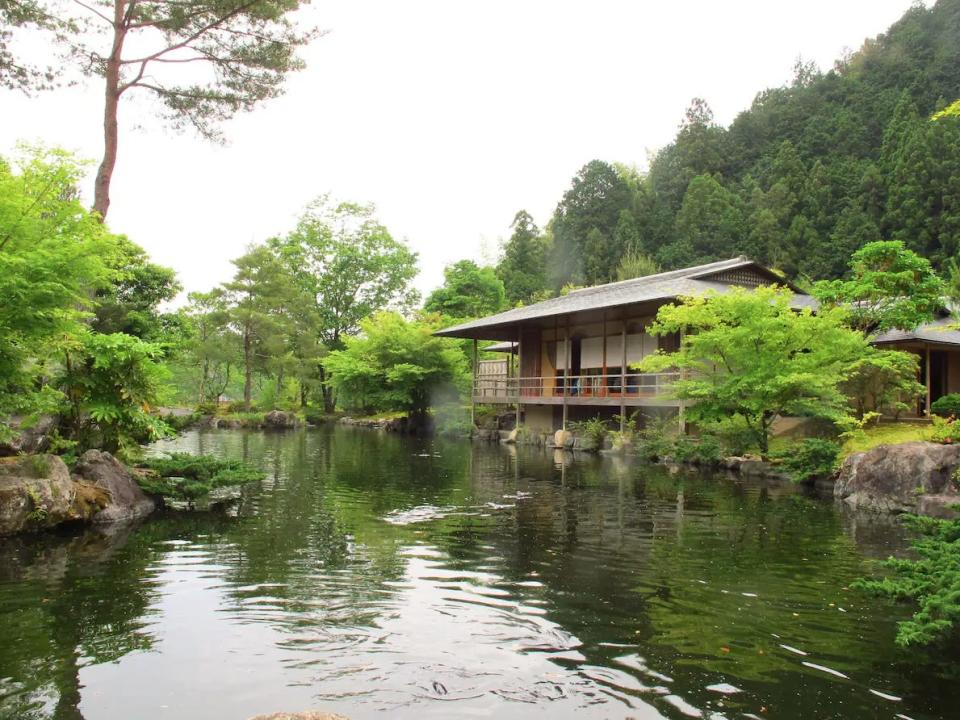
886,434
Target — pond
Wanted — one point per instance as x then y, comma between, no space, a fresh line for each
380,576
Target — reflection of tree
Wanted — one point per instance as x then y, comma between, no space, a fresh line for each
78,596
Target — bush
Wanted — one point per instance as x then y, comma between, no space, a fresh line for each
593,429
186,476
946,431
735,436
946,406
933,582
703,450
810,459
656,438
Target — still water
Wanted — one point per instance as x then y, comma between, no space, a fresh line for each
380,576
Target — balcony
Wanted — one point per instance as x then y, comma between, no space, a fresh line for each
632,389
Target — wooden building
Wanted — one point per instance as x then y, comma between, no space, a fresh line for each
572,357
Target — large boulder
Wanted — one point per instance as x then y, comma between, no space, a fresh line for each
29,437
899,478
104,472
36,493
280,420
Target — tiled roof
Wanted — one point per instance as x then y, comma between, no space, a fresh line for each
943,331
662,286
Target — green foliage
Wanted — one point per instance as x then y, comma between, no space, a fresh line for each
946,431
809,459
53,252
735,435
38,513
593,429
932,582
468,291
749,355
523,264
891,288
702,450
946,406
186,477
808,174
635,264
585,242
129,304
656,437
345,267
110,382
396,364
883,382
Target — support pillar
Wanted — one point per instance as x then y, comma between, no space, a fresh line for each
929,392
566,369
473,389
623,373
603,374
519,377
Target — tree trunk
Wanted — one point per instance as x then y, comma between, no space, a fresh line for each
326,392
247,370
101,197
203,381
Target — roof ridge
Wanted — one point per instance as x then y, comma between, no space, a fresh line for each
682,272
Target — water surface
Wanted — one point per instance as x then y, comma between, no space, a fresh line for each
379,576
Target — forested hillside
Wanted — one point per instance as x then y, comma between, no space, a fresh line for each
867,150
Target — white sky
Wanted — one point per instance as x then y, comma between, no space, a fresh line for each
449,116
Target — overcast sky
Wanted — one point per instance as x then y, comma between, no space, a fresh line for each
449,116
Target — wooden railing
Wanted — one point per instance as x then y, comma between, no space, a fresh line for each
631,385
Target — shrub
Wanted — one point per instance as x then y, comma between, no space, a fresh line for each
186,476
735,436
810,459
946,406
946,431
656,438
933,582
593,429
703,450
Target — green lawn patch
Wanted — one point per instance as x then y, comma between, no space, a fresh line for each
886,434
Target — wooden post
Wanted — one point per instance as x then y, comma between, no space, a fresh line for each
566,369
519,377
623,371
473,390
603,374
681,411
929,393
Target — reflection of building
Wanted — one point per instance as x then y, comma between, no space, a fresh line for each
572,356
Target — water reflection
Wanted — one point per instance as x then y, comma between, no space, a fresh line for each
374,574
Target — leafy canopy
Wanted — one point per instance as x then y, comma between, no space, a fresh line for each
468,291
890,287
111,382
748,354
396,364
523,264
348,264
53,252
